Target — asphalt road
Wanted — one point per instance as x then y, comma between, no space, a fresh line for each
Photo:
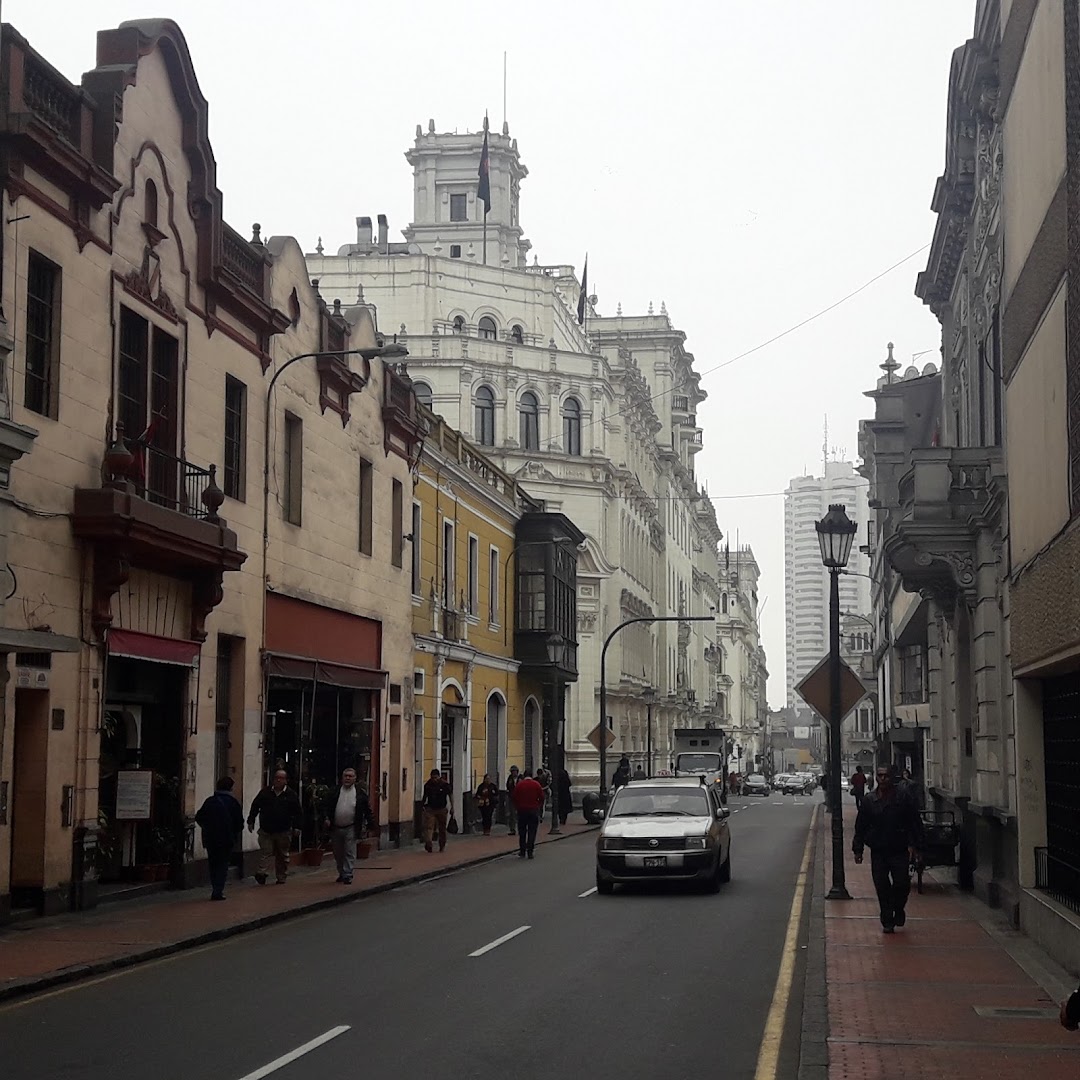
650,983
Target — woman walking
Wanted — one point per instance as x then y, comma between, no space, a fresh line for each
487,798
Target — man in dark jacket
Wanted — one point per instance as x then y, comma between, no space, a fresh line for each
436,803
889,824
511,810
346,813
278,809
1070,1011
222,821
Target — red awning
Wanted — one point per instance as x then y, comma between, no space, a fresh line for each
310,670
161,650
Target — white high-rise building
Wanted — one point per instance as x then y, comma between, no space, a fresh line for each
806,581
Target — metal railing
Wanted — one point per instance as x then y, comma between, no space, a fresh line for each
170,481
1060,880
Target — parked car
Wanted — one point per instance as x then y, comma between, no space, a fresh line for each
755,784
671,828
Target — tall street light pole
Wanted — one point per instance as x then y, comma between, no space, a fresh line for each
835,532
603,677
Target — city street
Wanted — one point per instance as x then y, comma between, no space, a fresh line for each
513,967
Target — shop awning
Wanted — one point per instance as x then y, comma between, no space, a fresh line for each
161,650
308,669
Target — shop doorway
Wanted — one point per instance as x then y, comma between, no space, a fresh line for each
142,738
314,732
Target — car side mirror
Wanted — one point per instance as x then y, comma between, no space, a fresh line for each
723,812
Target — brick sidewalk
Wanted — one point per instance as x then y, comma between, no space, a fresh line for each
43,953
903,1006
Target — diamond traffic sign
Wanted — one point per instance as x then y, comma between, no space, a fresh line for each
599,732
814,688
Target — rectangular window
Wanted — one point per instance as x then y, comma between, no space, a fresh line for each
366,478
42,336
397,520
455,251
235,438
458,208
147,405
493,580
474,575
293,487
448,566
417,521
913,689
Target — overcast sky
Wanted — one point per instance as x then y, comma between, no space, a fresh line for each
748,163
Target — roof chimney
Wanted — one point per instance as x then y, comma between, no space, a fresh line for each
384,235
363,232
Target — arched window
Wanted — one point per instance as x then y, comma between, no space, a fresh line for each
423,393
459,324
517,334
571,426
529,424
485,416
487,328
150,211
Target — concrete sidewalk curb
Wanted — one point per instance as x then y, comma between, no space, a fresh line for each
39,983
814,1037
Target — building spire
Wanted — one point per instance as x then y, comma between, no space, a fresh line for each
891,365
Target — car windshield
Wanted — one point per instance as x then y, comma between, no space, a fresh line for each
756,780
646,802
692,762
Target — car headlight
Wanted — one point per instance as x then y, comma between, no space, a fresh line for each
610,843
697,842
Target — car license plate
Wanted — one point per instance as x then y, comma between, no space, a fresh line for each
652,862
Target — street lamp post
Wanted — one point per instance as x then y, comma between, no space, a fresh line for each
836,532
603,677
649,694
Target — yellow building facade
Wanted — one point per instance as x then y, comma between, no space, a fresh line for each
474,710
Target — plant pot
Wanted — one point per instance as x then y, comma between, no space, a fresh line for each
296,858
364,849
161,872
312,856
147,871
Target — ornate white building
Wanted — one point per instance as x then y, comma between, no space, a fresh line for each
599,421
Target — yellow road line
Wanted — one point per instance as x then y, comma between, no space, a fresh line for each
769,1055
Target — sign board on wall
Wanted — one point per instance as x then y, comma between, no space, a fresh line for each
800,734
134,794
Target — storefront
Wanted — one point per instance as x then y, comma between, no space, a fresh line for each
151,685
324,686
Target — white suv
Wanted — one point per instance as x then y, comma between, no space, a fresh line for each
673,828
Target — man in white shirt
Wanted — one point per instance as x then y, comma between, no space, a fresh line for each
347,812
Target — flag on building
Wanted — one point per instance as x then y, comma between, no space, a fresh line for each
483,191
583,296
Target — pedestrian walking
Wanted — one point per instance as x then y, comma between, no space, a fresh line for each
511,810
529,800
222,821
889,824
566,796
1070,1011
858,786
487,798
277,808
438,796
543,778
347,814
621,776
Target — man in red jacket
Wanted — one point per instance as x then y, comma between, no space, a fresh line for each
529,802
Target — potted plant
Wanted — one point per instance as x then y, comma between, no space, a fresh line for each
313,838
162,848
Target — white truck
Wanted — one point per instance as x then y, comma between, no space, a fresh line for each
701,752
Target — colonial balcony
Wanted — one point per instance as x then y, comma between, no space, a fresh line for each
158,512
403,425
946,498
